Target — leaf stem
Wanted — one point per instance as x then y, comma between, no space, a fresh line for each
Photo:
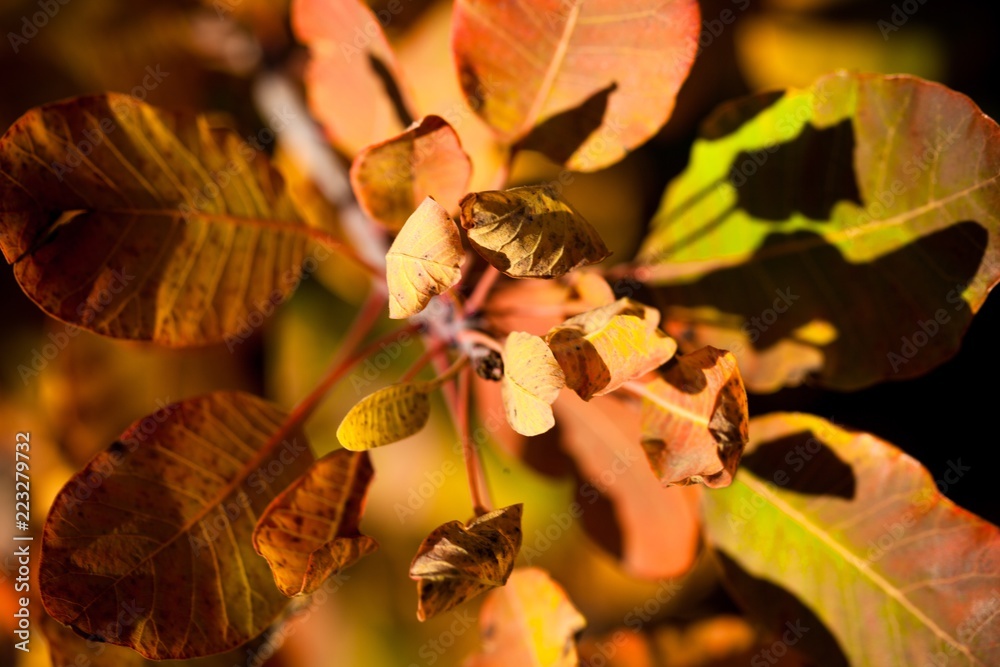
451,371
432,348
482,289
479,338
478,489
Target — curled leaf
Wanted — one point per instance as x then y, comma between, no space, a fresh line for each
310,531
530,621
605,347
694,419
139,223
386,416
457,562
149,546
423,261
392,177
530,232
531,382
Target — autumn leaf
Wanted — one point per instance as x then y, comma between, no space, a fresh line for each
604,74
530,232
137,223
530,621
650,530
160,525
694,419
457,562
856,531
531,382
354,86
786,237
386,416
603,348
310,531
423,261
391,178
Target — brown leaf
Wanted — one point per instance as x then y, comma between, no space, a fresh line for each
351,69
694,419
392,177
423,261
530,232
457,562
522,64
603,348
160,524
531,382
310,531
137,223
530,621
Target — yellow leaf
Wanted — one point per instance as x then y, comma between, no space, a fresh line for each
310,531
392,177
457,562
605,347
531,382
423,261
530,232
694,419
386,416
530,621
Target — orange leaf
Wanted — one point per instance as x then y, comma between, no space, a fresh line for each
160,525
143,224
530,621
694,419
457,562
606,74
351,68
310,531
392,177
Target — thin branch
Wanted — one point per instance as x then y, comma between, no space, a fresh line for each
482,289
478,489
479,338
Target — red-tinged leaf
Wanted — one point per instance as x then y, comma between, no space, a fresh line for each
424,53
138,223
355,89
602,76
694,419
391,178
310,531
160,525
849,536
530,621
603,348
457,562
656,535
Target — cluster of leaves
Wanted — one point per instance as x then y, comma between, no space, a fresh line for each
781,211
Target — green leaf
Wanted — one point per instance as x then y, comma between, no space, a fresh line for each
848,230
876,561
